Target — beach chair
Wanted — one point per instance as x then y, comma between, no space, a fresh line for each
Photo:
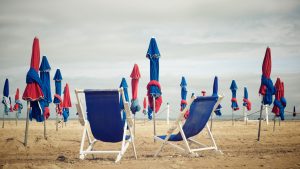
105,121
200,111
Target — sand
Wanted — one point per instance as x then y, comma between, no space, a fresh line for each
277,149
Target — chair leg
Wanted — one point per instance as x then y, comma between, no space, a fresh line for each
81,155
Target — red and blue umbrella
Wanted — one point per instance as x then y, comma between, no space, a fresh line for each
18,104
279,102
57,96
135,76
246,101
153,87
266,88
34,88
45,77
215,93
66,103
233,88
124,85
183,94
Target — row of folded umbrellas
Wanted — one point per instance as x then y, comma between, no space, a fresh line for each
38,90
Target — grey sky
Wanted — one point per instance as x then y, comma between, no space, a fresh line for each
95,43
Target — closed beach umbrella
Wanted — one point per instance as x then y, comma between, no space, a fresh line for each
145,106
215,93
18,104
183,94
294,112
283,101
266,88
124,85
135,76
5,99
246,101
34,88
234,104
153,87
45,77
66,103
57,96
33,91
233,88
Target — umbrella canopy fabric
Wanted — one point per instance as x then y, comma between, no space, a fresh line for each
34,88
145,106
57,96
215,93
153,87
183,102
6,99
266,88
233,88
280,101
125,89
18,104
45,77
135,76
66,103
246,101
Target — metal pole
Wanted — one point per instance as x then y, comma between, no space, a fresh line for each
261,107
27,123
154,125
267,114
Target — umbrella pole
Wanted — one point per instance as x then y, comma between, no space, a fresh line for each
17,118
267,114
45,133
3,119
168,113
154,125
232,117
134,126
27,123
274,123
56,118
261,109
244,114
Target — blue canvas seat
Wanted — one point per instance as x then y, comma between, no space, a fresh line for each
105,121
200,110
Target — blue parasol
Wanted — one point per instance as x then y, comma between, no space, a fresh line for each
57,78
5,99
215,93
233,88
125,89
153,87
45,77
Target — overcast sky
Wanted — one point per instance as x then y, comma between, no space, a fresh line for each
96,43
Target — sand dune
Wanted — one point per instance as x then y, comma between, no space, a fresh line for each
279,149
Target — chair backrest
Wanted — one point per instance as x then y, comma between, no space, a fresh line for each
200,111
104,115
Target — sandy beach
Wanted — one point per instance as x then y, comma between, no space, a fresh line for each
278,149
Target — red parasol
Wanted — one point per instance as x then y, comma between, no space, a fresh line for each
278,95
67,99
266,69
33,91
135,75
17,97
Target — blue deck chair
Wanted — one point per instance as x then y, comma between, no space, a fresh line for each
105,121
200,111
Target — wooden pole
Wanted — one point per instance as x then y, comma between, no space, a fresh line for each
259,127
3,119
17,118
232,118
154,123
27,123
134,126
274,123
211,121
45,133
56,118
